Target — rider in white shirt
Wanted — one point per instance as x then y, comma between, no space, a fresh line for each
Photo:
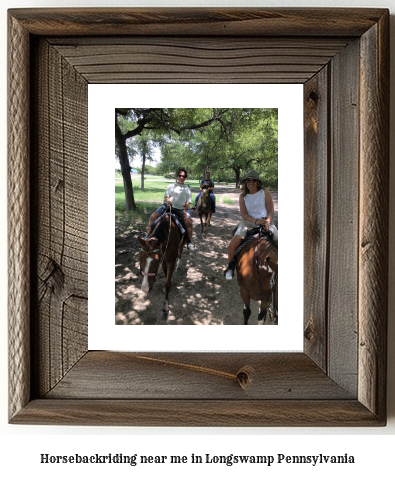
256,208
178,195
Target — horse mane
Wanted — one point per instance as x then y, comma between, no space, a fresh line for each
160,231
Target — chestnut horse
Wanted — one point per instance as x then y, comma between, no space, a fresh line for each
204,207
163,248
259,256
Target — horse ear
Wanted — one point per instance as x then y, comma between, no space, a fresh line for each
142,243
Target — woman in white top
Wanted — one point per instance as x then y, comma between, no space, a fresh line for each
256,208
178,195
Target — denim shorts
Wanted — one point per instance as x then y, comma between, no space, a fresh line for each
245,225
178,212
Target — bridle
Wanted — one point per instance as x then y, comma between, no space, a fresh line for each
150,274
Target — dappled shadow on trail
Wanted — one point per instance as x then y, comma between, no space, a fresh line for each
199,295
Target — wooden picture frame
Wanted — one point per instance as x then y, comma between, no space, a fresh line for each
342,58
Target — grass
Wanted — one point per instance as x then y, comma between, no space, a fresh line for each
227,200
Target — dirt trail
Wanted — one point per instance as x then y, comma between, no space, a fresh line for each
199,295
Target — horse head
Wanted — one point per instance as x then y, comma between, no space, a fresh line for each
150,254
204,197
272,260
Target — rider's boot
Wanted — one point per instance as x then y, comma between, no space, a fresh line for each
230,270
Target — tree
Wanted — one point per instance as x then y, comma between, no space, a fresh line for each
142,146
131,122
246,138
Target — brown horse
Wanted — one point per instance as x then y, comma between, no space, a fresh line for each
260,255
204,208
162,248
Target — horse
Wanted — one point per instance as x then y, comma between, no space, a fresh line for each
257,276
163,247
204,209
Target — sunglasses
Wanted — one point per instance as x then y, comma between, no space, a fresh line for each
181,176
251,180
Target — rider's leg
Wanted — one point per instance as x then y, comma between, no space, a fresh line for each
233,245
212,197
153,217
274,231
188,225
161,209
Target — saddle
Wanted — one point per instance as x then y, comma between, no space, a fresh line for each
253,233
177,221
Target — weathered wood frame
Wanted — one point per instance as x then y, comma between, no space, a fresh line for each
340,378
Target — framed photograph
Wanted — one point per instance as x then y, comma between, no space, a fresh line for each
199,295
341,57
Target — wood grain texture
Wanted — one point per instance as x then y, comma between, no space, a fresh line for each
199,21
207,60
61,206
196,376
198,413
18,214
70,385
374,220
344,211
316,214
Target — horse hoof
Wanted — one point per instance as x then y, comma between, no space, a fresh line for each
260,322
164,315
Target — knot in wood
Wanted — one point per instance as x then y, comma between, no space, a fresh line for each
244,376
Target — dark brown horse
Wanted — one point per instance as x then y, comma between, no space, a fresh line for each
259,256
204,208
162,248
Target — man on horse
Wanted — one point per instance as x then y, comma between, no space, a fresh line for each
256,208
209,185
178,195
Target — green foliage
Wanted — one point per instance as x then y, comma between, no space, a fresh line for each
227,200
228,142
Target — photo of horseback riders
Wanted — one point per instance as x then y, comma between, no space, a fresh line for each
214,167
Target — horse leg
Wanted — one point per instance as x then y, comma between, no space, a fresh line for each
165,311
164,267
263,310
246,309
262,314
246,313
205,225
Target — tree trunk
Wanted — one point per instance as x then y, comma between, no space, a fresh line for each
142,172
125,168
237,171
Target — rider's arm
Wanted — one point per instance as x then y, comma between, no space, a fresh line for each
188,199
270,210
168,193
269,205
